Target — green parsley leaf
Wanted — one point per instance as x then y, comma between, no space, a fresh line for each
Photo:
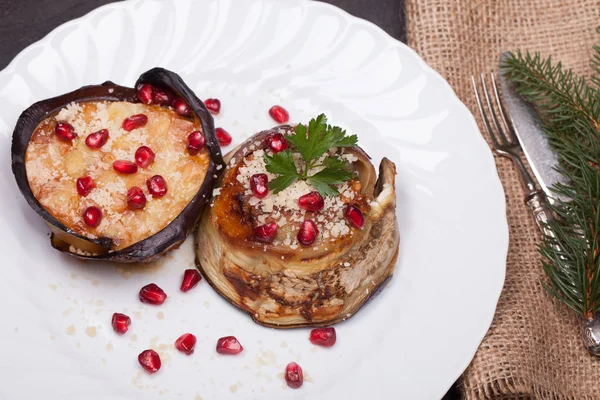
334,162
324,189
323,180
346,141
318,139
281,182
307,143
336,137
333,137
312,142
281,163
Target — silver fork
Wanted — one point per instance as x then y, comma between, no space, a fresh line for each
502,133
506,144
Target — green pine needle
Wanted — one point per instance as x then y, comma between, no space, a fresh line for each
570,109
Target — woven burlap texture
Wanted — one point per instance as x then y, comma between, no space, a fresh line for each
533,348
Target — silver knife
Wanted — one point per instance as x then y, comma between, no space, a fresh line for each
543,162
527,125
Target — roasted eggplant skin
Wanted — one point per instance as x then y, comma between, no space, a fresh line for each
172,235
243,273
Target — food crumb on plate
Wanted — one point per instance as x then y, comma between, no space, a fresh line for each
67,311
91,331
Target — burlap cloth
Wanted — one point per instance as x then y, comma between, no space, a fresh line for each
533,348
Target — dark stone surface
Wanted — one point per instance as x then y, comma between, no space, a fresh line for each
23,22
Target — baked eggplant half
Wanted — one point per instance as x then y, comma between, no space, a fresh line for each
309,252
118,173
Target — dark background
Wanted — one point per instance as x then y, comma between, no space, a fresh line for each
23,22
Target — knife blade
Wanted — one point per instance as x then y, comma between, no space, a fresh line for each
528,128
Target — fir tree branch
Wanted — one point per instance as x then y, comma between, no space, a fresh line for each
561,97
570,111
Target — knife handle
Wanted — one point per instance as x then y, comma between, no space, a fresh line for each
542,214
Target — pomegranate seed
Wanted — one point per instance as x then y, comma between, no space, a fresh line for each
125,167
180,106
213,105
135,121
279,114
92,216
196,142
293,375
97,139
120,323
144,156
191,277
323,337
152,294
277,142
144,93
65,131
162,97
308,232
266,233
186,343
85,184
312,201
354,216
229,345
149,360
136,200
157,186
223,137
258,184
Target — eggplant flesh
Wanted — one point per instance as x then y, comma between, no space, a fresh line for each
283,288
102,248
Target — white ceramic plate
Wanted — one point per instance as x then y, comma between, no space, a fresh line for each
412,341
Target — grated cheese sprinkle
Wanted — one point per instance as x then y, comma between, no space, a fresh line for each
53,169
283,207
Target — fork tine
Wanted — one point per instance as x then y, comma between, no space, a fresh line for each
509,127
505,140
484,117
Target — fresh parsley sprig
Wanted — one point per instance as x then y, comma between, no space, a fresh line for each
312,142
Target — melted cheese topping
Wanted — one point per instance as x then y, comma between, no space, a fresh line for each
53,167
